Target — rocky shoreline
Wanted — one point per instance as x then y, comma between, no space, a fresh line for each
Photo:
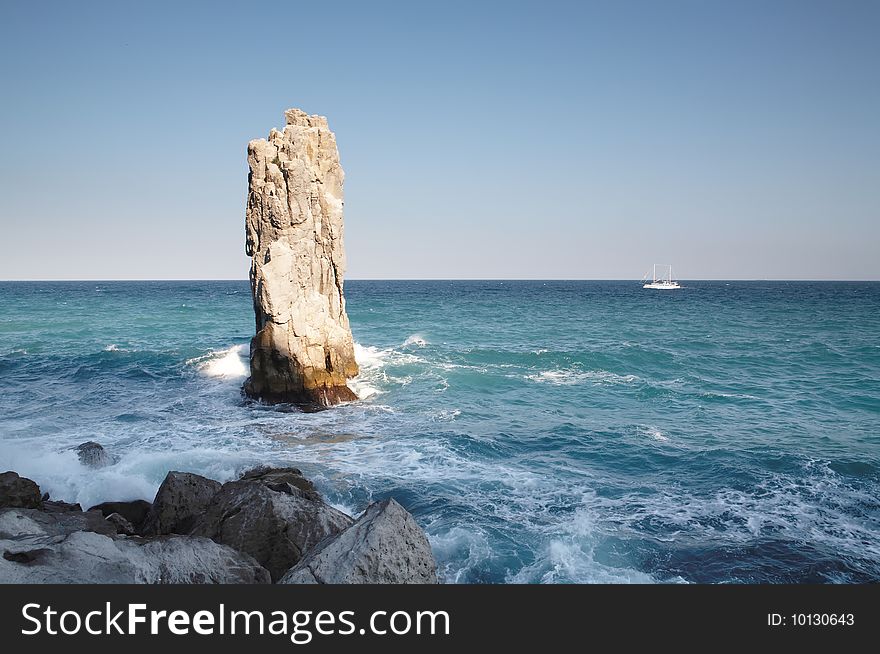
268,526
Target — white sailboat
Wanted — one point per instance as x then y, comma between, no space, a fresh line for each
662,282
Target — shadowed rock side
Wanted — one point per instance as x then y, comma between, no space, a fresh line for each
180,499
275,525
303,351
18,491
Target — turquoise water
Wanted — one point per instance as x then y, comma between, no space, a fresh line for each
539,431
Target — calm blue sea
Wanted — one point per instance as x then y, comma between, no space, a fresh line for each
539,431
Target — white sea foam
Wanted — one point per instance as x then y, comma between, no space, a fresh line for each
230,363
735,396
569,556
362,388
113,347
370,356
374,364
462,549
136,475
445,415
415,339
819,507
573,377
370,360
654,433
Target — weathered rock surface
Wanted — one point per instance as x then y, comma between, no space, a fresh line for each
35,527
94,455
135,511
303,351
57,506
269,522
122,525
384,546
180,499
275,522
18,491
49,548
279,478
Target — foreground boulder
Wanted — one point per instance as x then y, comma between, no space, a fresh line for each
134,512
180,499
269,522
303,350
384,546
19,492
275,522
94,455
38,552
35,527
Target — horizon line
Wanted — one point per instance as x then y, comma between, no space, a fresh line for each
447,279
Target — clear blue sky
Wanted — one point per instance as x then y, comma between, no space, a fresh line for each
502,140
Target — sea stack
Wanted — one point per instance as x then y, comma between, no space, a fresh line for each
303,351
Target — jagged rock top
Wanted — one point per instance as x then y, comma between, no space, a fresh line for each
301,118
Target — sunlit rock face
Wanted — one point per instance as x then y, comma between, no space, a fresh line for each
303,351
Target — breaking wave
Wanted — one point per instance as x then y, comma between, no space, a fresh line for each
573,377
231,363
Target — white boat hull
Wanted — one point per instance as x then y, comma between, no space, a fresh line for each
662,282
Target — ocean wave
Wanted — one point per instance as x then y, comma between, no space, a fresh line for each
228,364
414,339
374,364
137,474
719,395
818,507
653,433
460,551
573,377
445,415
363,388
370,356
570,556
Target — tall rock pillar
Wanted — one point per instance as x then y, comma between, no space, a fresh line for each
303,350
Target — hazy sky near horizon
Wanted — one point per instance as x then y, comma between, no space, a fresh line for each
479,139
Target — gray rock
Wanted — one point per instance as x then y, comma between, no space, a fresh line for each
303,351
275,527
122,525
57,506
279,478
94,455
40,547
190,560
135,511
35,527
384,546
180,499
18,491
